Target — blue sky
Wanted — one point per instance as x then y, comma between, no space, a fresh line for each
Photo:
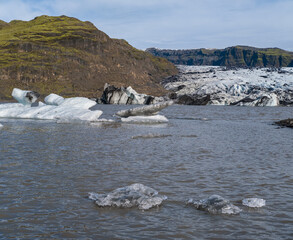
174,24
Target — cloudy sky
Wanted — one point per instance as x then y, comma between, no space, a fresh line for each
174,24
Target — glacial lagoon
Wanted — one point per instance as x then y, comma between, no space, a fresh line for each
48,170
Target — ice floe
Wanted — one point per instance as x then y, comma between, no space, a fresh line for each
70,109
145,114
215,204
150,110
254,202
145,119
135,195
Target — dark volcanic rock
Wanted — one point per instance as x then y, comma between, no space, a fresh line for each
122,95
286,123
193,99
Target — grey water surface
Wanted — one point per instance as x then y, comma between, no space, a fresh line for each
48,168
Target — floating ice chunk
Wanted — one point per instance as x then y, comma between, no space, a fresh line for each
50,112
254,202
215,204
145,119
24,97
145,110
54,99
135,195
1,126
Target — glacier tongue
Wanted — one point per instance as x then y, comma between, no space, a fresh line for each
135,195
224,86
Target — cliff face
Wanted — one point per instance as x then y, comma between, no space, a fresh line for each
239,56
73,58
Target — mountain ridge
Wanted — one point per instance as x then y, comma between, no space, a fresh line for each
236,56
73,58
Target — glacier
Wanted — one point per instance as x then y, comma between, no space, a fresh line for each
214,85
135,195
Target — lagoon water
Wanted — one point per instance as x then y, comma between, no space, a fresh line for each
48,168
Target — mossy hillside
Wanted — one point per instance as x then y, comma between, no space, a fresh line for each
70,57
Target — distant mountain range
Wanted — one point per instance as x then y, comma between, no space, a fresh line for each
237,56
70,57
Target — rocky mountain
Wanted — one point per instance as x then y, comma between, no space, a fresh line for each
70,57
238,56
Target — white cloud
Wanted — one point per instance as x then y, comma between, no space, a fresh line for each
173,24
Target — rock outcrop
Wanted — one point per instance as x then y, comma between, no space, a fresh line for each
122,95
238,56
73,58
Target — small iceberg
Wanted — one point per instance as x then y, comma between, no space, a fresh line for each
145,114
215,204
254,202
1,126
135,195
56,108
145,119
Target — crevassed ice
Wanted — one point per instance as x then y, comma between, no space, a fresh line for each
254,202
145,119
215,204
135,195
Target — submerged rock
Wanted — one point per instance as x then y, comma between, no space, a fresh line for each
286,123
254,202
215,204
135,195
25,97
